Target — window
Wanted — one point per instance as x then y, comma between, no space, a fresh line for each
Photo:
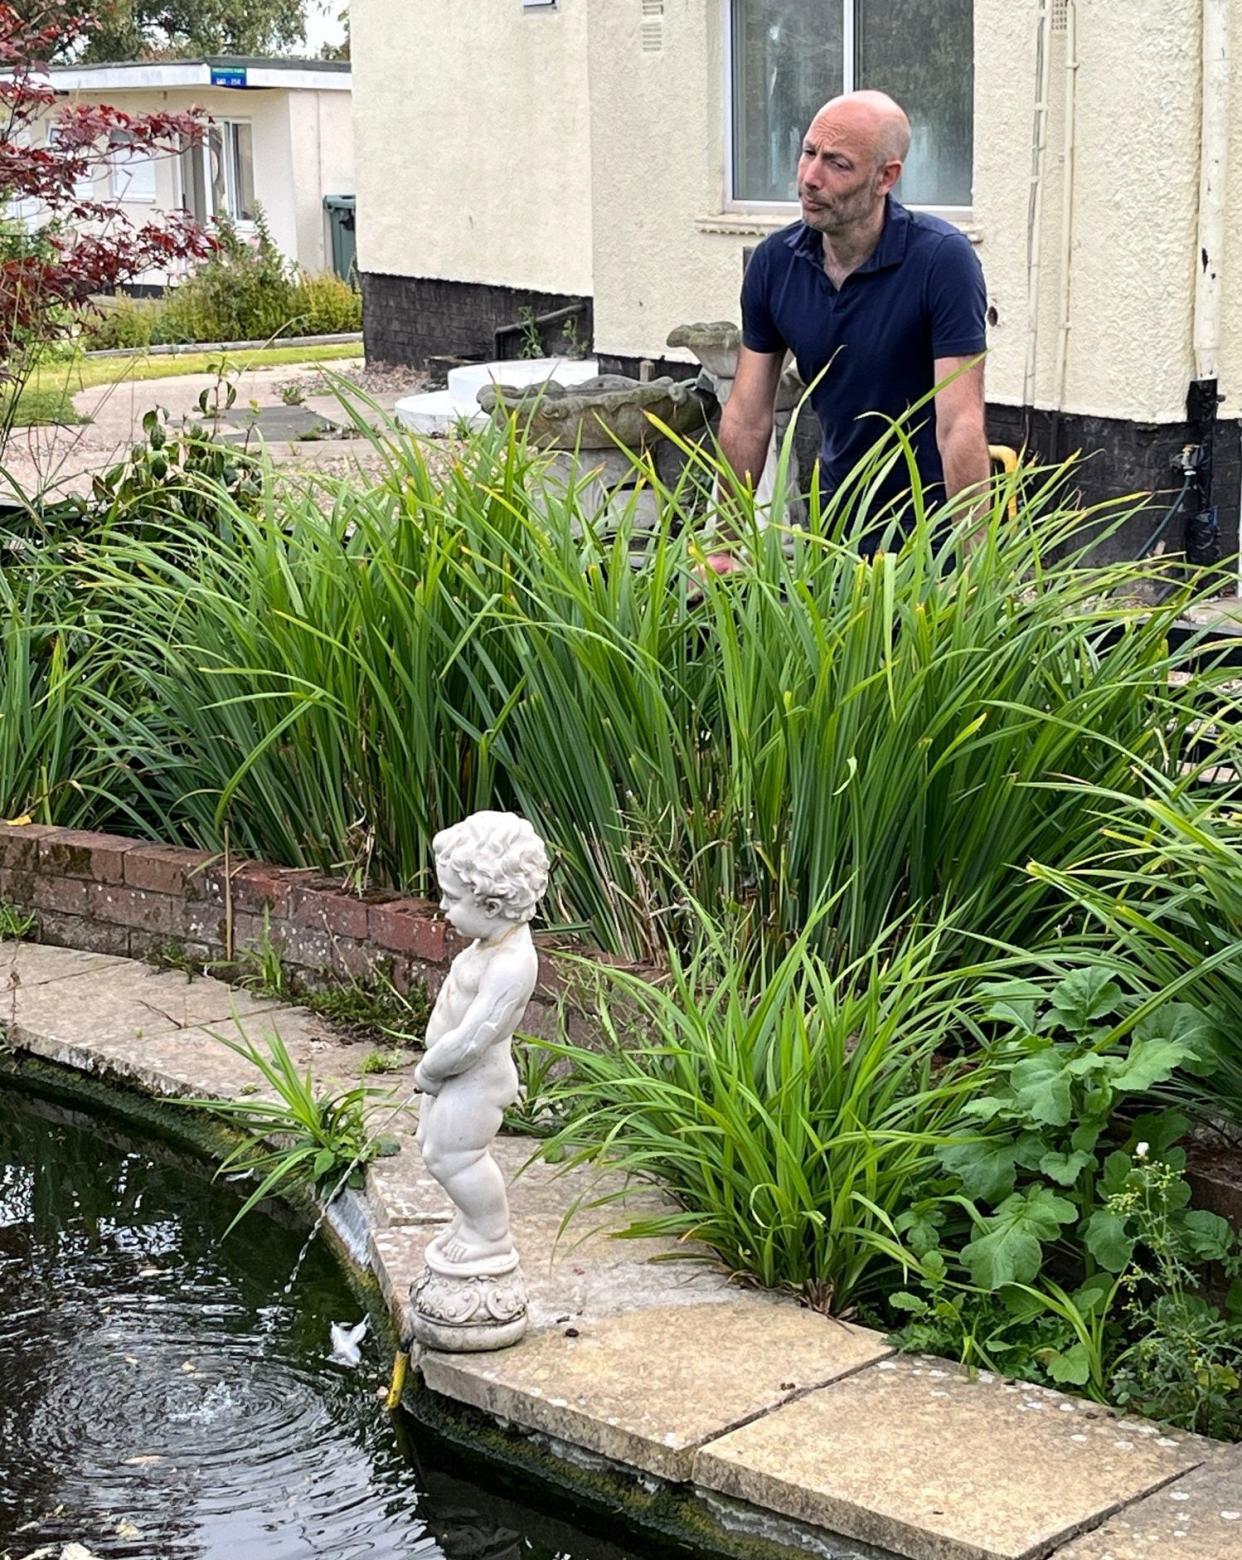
84,188
790,56
217,177
132,173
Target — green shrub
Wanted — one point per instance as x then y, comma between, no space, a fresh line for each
787,1109
324,306
244,292
1059,1243
1166,892
304,1136
52,666
122,322
901,734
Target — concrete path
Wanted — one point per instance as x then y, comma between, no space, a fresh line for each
64,459
666,1369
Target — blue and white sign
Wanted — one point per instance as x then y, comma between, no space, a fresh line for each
228,75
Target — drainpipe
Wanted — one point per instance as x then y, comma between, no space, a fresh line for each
1202,531
1035,204
1213,155
1067,200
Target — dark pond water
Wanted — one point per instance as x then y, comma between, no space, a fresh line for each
160,1397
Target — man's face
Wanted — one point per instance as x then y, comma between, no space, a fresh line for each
840,178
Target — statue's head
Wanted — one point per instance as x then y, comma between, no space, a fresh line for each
499,859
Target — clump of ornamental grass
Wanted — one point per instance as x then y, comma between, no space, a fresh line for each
350,669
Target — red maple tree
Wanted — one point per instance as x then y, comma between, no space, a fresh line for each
67,246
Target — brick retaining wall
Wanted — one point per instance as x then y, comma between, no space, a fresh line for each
108,894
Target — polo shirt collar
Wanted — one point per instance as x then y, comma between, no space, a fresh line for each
889,252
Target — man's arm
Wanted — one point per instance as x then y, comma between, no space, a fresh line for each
746,429
746,421
960,433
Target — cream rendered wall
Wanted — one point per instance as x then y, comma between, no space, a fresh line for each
660,256
472,131
1135,203
321,139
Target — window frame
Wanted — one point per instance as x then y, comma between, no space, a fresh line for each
120,165
781,212
244,225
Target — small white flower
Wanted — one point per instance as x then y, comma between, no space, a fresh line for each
1142,1151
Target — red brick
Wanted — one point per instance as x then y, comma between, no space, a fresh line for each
408,926
260,887
165,869
306,946
83,853
76,931
328,909
132,907
19,843
205,923
17,886
68,895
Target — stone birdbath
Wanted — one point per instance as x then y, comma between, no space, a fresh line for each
594,428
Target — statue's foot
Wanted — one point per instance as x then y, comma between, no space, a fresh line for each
449,1232
465,1245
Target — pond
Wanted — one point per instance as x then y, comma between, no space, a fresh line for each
160,1394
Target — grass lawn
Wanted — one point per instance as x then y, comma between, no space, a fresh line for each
84,373
46,404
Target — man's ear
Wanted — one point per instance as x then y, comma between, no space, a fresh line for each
493,906
887,176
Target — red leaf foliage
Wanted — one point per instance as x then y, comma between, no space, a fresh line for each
63,245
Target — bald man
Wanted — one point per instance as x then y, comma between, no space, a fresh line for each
892,301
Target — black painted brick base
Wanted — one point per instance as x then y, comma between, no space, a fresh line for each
408,319
1121,457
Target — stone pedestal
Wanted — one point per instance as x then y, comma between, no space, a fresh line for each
716,344
471,1308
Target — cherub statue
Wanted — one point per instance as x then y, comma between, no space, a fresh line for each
493,870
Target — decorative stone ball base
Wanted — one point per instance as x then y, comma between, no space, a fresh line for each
461,1311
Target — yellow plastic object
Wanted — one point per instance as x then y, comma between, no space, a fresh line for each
1006,457
397,1385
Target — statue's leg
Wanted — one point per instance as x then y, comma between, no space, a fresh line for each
474,1181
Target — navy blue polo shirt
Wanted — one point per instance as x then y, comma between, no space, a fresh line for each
919,297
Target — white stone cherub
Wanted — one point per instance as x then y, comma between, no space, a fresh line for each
493,870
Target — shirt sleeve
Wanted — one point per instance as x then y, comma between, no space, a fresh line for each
957,299
759,331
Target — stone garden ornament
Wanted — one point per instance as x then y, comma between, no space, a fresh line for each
493,870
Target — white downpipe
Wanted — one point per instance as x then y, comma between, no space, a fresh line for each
1213,159
1067,197
1035,205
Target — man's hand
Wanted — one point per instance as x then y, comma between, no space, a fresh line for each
723,563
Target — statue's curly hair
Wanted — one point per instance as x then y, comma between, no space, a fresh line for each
499,858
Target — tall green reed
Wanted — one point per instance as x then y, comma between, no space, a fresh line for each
353,667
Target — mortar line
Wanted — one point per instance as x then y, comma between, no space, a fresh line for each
1096,1520
795,1396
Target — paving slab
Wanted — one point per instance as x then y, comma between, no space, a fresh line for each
1198,1517
32,964
124,1000
649,1387
914,1457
